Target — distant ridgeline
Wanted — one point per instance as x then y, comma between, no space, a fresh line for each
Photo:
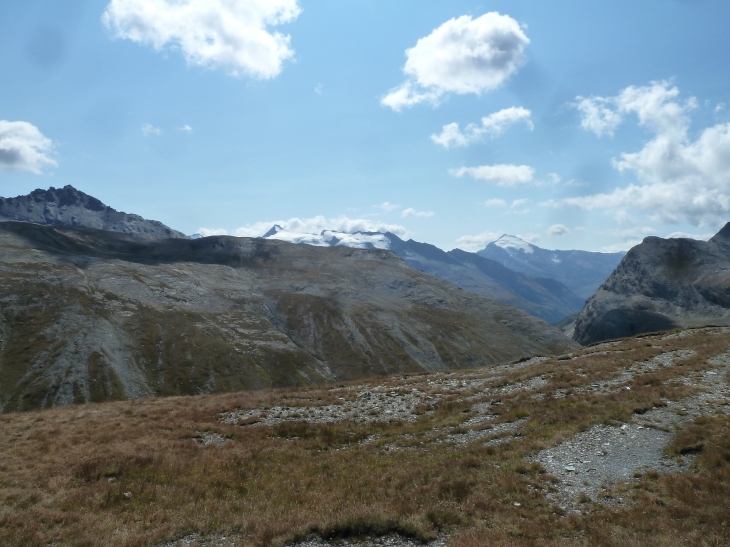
661,284
551,285
581,271
70,207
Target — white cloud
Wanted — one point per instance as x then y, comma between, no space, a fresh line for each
185,129
407,213
678,178
387,206
632,234
720,108
530,238
230,34
477,242
619,247
702,237
205,232
24,148
495,124
318,89
463,55
500,175
316,224
655,105
148,129
495,203
557,230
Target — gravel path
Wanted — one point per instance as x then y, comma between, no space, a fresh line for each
592,461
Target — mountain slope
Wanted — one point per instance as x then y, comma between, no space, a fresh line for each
70,207
581,271
661,284
544,298
91,315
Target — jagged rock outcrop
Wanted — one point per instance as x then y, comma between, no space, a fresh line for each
68,206
661,284
92,315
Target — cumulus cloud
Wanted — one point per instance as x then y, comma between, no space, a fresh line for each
493,125
315,225
230,34
148,129
463,55
477,242
24,148
495,203
185,129
557,230
407,213
499,175
678,178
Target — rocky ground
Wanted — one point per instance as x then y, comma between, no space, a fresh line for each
587,467
618,436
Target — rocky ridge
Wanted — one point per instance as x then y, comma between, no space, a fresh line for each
659,285
68,206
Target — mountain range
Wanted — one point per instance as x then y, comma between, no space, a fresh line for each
539,292
531,286
581,271
92,315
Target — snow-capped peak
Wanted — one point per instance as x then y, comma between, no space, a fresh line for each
331,238
512,244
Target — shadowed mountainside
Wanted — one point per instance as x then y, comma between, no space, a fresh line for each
70,207
90,315
581,271
545,298
661,284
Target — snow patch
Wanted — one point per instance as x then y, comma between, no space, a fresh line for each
513,244
331,238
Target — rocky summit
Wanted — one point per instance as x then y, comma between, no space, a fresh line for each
661,284
68,206
92,315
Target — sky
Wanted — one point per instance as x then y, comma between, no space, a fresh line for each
572,124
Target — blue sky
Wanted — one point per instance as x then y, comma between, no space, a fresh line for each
573,124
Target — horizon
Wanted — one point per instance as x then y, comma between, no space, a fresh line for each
571,126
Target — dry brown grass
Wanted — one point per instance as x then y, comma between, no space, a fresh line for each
64,473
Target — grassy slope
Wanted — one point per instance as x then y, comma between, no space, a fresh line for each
64,472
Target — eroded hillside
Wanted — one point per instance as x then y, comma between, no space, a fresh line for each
89,315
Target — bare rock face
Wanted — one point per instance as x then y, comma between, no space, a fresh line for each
661,284
92,315
69,207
